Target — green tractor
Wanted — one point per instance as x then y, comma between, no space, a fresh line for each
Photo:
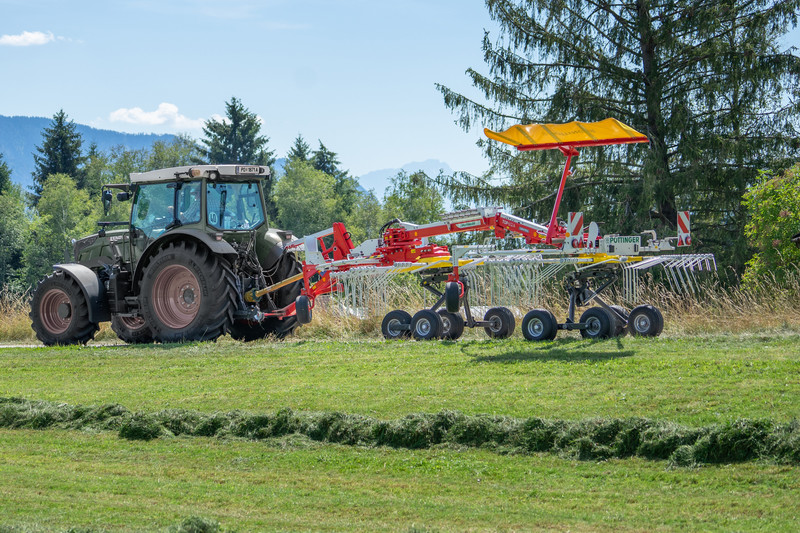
185,267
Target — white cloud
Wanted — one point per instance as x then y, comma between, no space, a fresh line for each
27,38
165,115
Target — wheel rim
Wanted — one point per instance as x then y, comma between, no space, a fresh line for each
423,327
176,296
133,323
393,328
593,326
535,327
642,323
445,324
55,311
496,324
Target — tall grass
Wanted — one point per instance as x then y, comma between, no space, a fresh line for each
767,306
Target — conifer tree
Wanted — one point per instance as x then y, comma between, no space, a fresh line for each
236,138
705,80
5,175
300,150
60,153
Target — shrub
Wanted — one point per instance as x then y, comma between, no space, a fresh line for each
773,205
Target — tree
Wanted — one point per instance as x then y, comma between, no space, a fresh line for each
413,199
63,213
13,232
236,138
180,151
346,188
304,199
300,150
5,175
704,80
96,172
60,153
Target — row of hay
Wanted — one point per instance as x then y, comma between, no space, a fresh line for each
595,439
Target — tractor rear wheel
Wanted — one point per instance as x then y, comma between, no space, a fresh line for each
187,293
242,330
132,330
60,312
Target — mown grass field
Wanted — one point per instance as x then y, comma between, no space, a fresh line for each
54,479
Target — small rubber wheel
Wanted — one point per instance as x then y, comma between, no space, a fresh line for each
452,325
452,296
621,329
645,321
396,325
132,330
302,307
426,325
501,321
539,325
599,323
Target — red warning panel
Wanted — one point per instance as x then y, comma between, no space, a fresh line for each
684,229
575,228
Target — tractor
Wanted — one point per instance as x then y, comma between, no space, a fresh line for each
182,268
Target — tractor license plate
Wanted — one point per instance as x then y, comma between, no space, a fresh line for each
249,170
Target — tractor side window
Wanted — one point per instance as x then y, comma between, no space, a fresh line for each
234,206
189,203
152,208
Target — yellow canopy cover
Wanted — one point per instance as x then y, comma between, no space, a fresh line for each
571,134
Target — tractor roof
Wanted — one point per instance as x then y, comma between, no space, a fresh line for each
240,172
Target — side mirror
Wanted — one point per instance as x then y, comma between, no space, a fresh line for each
123,196
107,196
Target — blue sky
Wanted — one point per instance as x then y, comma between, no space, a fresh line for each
357,74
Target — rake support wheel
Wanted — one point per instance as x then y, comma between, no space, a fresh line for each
539,325
501,321
452,325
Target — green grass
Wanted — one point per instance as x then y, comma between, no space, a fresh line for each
54,478
692,381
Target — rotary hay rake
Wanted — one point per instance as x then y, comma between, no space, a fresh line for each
476,278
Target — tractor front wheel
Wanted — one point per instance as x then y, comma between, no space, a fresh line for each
60,312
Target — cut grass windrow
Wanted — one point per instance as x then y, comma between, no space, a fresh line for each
595,439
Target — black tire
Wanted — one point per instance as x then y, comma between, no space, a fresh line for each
396,325
452,296
302,309
60,313
132,330
645,321
539,325
621,326
600,324
426,325
187,293
452,325
243,330
502,320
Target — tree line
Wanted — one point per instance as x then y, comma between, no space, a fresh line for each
312,192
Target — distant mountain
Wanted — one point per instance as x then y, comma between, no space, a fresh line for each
19,137
379,180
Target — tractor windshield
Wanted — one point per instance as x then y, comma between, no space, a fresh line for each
234,205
